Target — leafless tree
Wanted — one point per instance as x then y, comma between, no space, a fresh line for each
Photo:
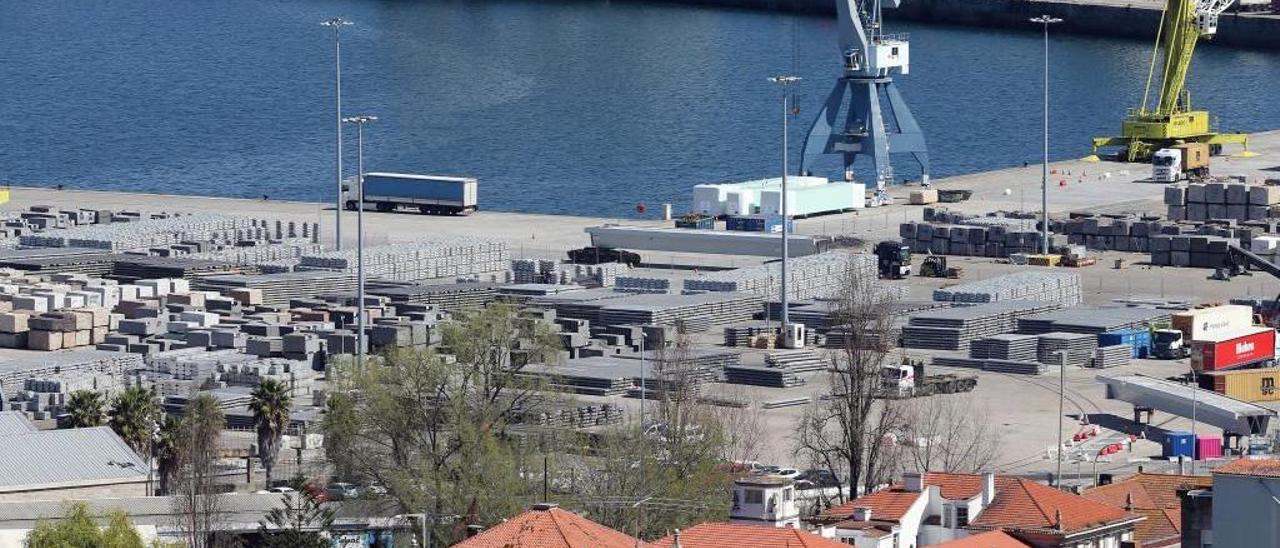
851,432
951,433
743,425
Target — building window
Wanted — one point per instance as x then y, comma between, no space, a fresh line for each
786,494
962,515
755,496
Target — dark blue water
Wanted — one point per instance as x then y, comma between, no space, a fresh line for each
575,107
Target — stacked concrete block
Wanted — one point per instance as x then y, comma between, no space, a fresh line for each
1191,250
991,240
525,271
1222,200
419,260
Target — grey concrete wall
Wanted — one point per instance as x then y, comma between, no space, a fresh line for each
1251,31
1245,512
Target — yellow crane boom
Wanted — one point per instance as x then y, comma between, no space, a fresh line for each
1182,24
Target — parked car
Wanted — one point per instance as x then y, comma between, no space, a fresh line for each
341,491
820,478
790,473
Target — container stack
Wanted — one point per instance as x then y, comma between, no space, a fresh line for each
1032,285
810,276
418,260
1078,347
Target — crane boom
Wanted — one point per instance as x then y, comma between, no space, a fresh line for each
1183,24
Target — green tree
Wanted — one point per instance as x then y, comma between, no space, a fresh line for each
78,529
437,434
134,416
85,408
300,521
167,453
270,406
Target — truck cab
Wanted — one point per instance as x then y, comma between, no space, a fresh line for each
1168,344
1184,161
900,378
894,259
1166,166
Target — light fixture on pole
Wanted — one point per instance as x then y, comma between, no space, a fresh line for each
336,24
786,82
360,122
1044,180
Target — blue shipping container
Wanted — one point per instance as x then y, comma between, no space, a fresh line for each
1178,444
758,223
1139,340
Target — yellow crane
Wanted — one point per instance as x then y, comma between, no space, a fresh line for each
1183,23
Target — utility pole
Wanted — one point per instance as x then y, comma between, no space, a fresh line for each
785,82
1045,20
360,122
1062,398
336,24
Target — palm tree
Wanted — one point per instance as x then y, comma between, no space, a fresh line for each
134,414
270,407
168,457
85,408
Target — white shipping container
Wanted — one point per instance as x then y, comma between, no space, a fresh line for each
739,202
815,199
709,199
1209,323
1264,245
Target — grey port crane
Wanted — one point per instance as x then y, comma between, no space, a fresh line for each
869,58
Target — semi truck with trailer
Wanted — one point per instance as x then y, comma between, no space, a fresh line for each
429,194
1184,161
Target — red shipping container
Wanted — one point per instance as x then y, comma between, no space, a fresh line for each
1233,350
1208,448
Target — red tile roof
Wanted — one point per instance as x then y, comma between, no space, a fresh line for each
1154,496
887,505
955,486
1022,504
732,535
989,539
1251,467
550,528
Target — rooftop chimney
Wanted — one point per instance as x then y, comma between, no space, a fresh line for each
1128,502
862,513
988,488
913,481
1057,519
676,544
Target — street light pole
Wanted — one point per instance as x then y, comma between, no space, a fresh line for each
360,122
785,320
1062,399
1045,20
336,24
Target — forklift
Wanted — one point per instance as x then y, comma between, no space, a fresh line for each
935,266
894,259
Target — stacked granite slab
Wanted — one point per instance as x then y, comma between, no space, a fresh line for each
955,328
1078,347
448,296
1030,285
525,271
1092,320
810,277
151,233
280,288
771,377
696,313
1014,367
1112,356
70,364
1008,346
1222,200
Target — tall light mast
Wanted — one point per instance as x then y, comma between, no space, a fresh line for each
869,57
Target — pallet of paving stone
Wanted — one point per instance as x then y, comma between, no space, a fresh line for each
279,289
762,376
808,277
1031,285
1008,346
1015,367
1092,320
797,361
131,268
1112,356
1079,348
